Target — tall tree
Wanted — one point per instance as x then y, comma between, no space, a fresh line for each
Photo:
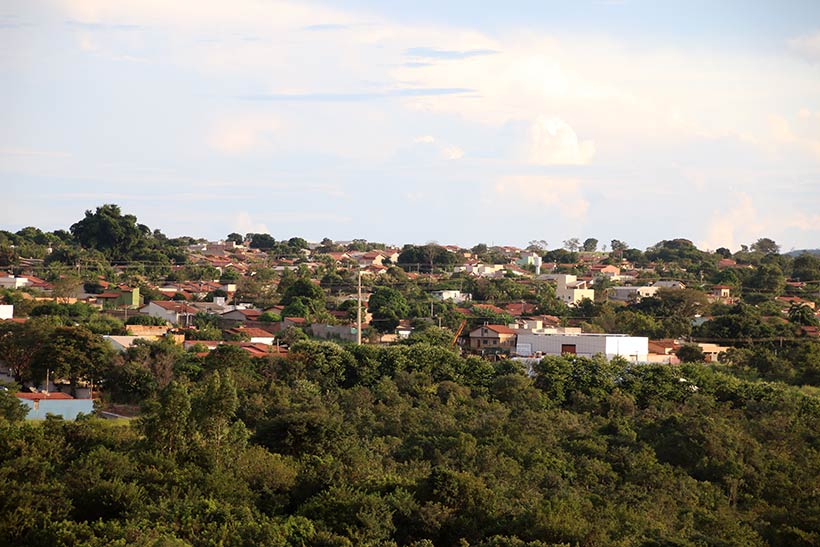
388,306
116,235
590,244
766,246
573,244
75,353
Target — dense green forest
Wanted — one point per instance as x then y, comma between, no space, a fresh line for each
414,445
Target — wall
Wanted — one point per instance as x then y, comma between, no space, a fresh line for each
6,311
67,408
586,345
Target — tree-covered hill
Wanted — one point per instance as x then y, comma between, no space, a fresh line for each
414,445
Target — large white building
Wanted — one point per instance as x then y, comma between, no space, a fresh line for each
631,348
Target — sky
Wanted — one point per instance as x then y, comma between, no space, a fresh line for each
458,122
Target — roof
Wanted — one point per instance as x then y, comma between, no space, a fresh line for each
253,332
499,329
39,396
174,305
488,307
247,313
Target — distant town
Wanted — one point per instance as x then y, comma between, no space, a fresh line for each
128,285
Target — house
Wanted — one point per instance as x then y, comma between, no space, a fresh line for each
493,337
293,322
571,291
669,284
518,309
631,294
456,296
341,332
172,311
122,343
242,315
721,293
632,348
479,309
12,282
480,269
255,335
41,404
605,270
125,298
6,311
530,259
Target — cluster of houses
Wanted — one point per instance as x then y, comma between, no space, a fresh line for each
250,327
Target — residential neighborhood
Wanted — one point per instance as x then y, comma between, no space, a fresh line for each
499,302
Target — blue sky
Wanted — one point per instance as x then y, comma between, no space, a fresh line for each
455,122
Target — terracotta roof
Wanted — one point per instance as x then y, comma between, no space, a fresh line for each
39,396
488,307
253,332
500,329
175,306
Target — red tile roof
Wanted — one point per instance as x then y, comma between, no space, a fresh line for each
39,396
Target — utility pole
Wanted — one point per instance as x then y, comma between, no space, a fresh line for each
359,313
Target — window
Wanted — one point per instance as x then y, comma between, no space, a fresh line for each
568,348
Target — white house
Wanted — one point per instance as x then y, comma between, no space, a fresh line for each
172,311
631,294
255,335
632,348
454,295
122,343
6,311
12,282
669,284
570,291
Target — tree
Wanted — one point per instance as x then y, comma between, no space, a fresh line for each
690,353
262,241
802,314
616,245
75,353
537,246
806,267
766,246
388,306
236,238
116,235
21,342
768,278
165,423
572,245
11,408
590,244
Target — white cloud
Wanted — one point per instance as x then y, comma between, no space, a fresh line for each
447,151
534,191
807,46
740,223
555,143
782,133
244,224
452,152
242,133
